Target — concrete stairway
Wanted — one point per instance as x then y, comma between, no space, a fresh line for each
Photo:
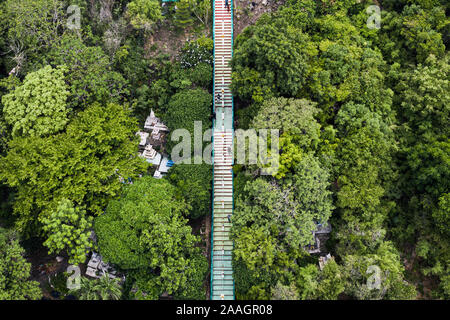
222,283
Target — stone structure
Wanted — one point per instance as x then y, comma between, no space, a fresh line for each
324,260
320,236
153,123
153,135
144,136
96,268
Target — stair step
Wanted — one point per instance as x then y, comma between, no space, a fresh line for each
225,291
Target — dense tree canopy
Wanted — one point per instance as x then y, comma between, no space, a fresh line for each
89,73
194,185
299,131
272,223
371,107
270,60
15,270
34,22
145,230
81,164
38,106
362,110
68,229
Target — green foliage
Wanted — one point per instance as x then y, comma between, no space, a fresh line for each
194,287
202,10
291,210
441,215
423,101
412,35
331,282
445,285
80,164
89,73
145,230
15,270
193,184
307,281
58,283
183,17
363,116
248,285
270,59
196,52
282,292
332,65
292,116
271,224
144,14
185,107
68,229
202,75
34,22
172,82
38,106
127,226
360,280
363,158
311,183
145,285
104,288
299,133
374,102
324,284
256,248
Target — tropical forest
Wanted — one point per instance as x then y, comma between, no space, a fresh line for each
224,150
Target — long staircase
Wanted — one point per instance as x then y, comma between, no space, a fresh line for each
222,283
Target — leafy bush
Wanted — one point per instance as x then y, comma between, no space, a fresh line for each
193,184
15,270
68,229
143,14
196,52
145,232
185,107
38,106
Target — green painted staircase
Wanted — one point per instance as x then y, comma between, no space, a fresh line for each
222,283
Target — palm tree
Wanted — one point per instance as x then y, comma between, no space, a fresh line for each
104,288
109,289
88,290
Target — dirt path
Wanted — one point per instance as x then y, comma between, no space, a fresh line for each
166,40
247,12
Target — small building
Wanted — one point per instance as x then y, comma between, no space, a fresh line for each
154,134
157,175
153,123
143,136
324,260
96,268
151,155
321,234
164,166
